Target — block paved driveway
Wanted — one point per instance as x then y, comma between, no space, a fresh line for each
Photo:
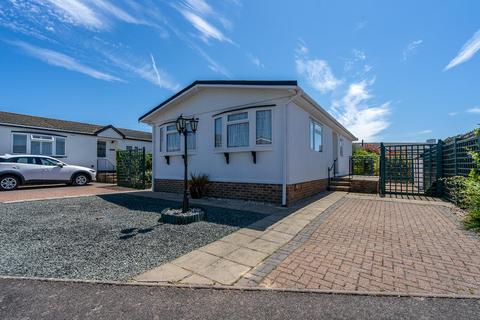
58,191
370,244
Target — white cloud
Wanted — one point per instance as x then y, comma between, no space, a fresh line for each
200,6
62,60
360,25
474,110
467,52
212,64
318,74
116,11
354,112
255,60
453,114
206,30
146,71
410,49
77,12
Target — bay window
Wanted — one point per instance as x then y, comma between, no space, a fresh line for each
160,137
316,136
218,132
19,143
173,139
264,127
191,137
238,130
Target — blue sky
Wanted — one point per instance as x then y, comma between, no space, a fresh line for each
391,71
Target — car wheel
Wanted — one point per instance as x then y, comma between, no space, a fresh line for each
8,183
80,179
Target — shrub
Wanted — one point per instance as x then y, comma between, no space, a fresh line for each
455,190
198,185
472,192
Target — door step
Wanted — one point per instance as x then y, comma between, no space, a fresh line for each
339,184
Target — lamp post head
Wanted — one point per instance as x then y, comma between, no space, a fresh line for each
181,124
194,124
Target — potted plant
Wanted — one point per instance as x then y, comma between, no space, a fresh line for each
198,185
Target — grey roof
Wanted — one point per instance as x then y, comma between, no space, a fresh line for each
28,121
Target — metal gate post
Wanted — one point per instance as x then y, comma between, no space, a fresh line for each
439,173
382,169
143,168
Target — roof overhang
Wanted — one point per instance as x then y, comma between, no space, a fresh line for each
193,87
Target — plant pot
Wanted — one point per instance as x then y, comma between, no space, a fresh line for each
166,217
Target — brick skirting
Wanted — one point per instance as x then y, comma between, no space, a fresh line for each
364,185
306,189
249,191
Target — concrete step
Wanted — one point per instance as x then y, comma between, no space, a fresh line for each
339,188
340,183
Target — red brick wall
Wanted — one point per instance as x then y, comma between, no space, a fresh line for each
303,190
250,191
233,190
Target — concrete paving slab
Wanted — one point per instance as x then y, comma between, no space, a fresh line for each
219,248
263,245
195,260
238,238
247,256
278,237
165,273
224,271
197,279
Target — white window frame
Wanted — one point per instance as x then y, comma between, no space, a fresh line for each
252,131
26,142
56,154
311,137
239,121
162,137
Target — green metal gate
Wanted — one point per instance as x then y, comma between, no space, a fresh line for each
411,169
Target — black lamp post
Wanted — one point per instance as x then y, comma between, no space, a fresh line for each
181,124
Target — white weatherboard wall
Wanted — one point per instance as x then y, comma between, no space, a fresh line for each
80,149
303,163
207,159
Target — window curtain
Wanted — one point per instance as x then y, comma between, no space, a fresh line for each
264,127
173,142
237,135
160,139
218,133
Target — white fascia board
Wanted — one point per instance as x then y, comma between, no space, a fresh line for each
315,107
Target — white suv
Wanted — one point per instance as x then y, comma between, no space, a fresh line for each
16,170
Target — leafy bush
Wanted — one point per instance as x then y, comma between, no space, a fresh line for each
365,162
454,188
472,192
198,185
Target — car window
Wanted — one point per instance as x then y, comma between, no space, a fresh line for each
25,160
45,162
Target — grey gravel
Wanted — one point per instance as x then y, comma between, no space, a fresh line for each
109,237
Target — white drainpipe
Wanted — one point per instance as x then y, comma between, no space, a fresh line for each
285,146
154,151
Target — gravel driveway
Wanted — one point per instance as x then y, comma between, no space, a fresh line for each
108,237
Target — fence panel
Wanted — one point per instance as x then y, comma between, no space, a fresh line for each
456,158
134,169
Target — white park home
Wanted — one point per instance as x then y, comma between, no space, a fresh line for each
256,140
88,145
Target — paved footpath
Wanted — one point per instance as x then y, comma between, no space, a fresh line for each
231,259
382,245
29,299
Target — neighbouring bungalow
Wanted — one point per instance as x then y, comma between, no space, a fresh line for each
88,145
256,140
